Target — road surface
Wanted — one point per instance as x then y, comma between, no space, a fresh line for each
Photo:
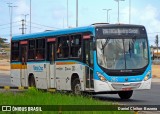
142,97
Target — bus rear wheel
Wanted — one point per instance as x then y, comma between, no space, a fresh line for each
32,82
125,94
76,87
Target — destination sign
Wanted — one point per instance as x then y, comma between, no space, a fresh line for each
119,31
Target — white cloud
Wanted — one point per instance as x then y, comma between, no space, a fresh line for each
22,7
148,16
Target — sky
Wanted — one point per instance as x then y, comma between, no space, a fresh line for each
52,15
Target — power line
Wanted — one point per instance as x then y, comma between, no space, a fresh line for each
9,23
46,26
9,27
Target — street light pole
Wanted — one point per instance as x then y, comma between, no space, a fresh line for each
118,8
30,15
67,13
11,13
129,11
76,13
107,13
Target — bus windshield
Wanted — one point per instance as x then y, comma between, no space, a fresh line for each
122,53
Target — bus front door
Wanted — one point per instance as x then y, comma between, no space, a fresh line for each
23,65
51,58
88,59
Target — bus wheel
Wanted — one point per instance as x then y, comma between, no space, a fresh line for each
76,87
32,82
125,94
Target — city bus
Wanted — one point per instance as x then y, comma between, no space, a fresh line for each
100,58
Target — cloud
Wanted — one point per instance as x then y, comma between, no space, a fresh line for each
22,7
148,16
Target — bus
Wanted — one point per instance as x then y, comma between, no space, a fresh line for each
100,58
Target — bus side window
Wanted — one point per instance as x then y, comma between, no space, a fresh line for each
40,47
15,51
63,47
75,43
31,50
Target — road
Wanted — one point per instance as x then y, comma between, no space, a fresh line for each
5,78
142,97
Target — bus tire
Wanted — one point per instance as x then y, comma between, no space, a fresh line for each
76,87
32,82
125,94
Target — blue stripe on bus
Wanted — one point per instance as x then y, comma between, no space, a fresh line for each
54,33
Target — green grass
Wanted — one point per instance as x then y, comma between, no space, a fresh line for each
35,97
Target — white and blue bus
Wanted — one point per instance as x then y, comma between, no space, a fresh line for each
101,58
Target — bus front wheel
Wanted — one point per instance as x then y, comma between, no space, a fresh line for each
125,94
76,87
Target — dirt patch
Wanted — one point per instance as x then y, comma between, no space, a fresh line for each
4,65
156,71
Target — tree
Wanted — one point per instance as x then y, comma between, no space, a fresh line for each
2,42
157,43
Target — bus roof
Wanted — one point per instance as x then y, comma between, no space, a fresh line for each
70,31
54,33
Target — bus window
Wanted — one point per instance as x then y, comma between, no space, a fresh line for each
15,51
63,47
75,43
31,50
40,47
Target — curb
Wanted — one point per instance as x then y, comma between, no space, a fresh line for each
23,88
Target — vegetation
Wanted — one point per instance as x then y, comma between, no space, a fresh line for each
36,97
3,43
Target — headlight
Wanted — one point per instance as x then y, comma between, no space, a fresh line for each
101,77
147,76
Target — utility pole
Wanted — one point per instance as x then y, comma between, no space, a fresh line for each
25,22
157,44
22,26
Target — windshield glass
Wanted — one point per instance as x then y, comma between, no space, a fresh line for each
122,53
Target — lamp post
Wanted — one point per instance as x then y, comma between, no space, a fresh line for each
107,13
67,13
118,8
129,11
30,15
76,13
11,14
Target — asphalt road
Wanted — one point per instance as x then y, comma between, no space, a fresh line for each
5,78
142,97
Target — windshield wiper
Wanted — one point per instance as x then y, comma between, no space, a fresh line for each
104,45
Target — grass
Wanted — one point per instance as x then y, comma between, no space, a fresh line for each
35,97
